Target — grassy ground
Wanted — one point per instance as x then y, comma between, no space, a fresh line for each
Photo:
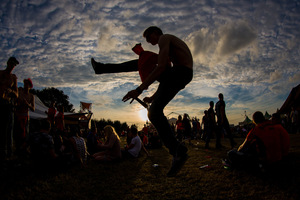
138,179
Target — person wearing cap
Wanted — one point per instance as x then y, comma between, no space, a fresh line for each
8,94
25,102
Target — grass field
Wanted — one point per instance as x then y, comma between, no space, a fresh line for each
138,179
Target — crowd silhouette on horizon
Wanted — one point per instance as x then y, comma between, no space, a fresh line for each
51,143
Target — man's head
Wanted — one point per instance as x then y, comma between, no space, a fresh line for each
133,130
258,117
11,63
152,34
221,97
211,104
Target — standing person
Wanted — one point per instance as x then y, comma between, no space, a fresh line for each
51,113
187,127
60,120
179,128
222,122
205,125
8,94
211,123
172,80
294,116
25,102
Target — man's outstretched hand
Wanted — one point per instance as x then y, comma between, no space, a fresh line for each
133,94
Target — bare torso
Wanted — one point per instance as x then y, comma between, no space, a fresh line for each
176,50
7,84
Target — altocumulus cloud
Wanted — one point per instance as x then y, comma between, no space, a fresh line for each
247,50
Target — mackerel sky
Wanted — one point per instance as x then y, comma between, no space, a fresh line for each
247,50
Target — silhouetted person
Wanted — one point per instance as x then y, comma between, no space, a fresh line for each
25,102
8,95
187,127
179,128
172,80
222,122
51,113
266,143
211,124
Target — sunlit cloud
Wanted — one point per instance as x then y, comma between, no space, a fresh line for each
247,50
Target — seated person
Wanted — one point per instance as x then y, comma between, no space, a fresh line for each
154,141
79,149
133,149
143,137
42,144
266,143
92,141
111,147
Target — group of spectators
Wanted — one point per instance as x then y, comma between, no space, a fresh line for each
15,103
51,142
267,141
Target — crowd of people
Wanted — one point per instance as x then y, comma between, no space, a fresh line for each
173,69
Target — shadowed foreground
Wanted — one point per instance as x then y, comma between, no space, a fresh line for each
138,179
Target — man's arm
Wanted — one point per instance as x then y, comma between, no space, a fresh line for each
163,62
14,88
163,59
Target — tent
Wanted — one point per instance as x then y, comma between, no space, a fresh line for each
293,100
267,116
247,120
82,119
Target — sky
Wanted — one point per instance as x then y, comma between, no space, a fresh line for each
247,50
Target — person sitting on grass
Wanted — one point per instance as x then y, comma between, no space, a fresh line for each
111,147
143,137
133,149
79,148
266,144
154,141
42,145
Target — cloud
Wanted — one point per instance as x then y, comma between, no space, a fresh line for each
246,50
295,78
275,76
234,37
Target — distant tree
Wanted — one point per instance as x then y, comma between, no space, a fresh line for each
117,126
47,95
100,124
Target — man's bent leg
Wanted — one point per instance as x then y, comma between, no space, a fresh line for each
160,122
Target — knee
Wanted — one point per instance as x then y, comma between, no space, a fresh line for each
151,114
154,114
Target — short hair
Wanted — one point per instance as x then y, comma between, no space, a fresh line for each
133,130
221,96
13,60
211,103
258,117
152,29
